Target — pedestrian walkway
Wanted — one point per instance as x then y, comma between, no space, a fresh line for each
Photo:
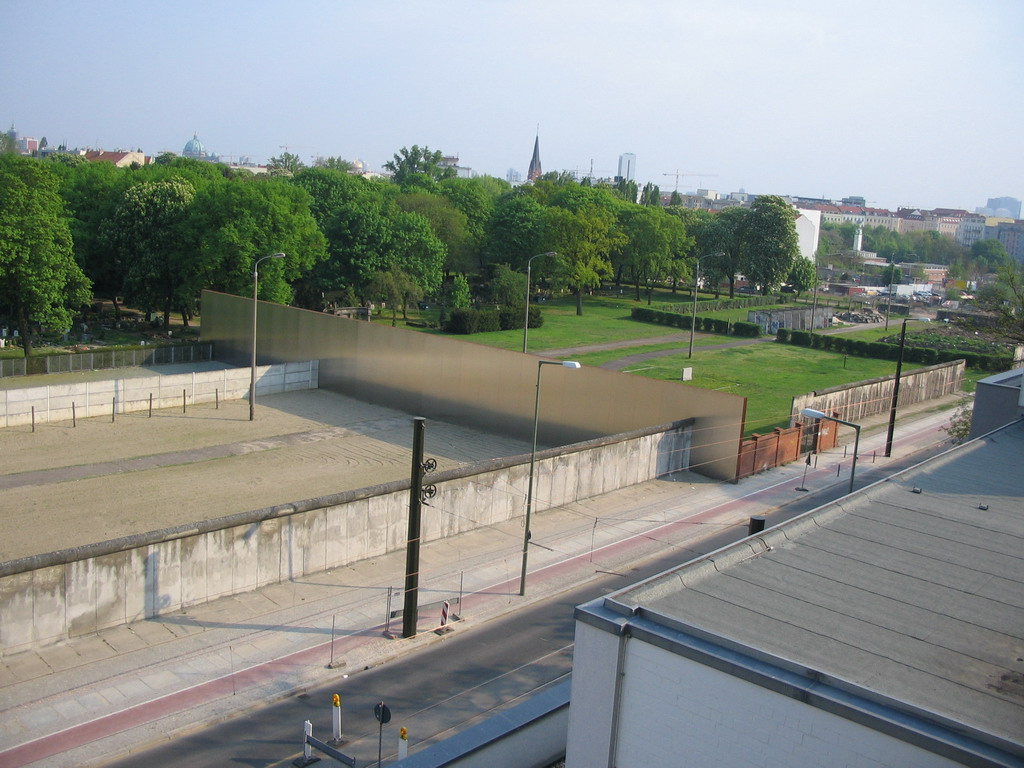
92,698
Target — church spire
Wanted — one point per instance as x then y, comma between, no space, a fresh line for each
535,172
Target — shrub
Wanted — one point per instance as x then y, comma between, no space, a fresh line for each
801,338
782,335
510,318
536,317
464,321
752,330
489,321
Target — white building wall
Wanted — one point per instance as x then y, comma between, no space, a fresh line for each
593,686
808,229
674,711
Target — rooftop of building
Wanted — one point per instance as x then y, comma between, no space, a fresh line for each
909,592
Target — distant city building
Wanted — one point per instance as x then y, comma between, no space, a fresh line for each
195,150
512,176
1011,235
627,167
1002,207
535,171
23,145
461,171
121,158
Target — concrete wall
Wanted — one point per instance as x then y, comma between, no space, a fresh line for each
464,383
97,398
853,402
49,597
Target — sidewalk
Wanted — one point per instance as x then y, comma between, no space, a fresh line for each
92,698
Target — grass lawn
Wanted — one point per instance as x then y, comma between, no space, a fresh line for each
769,375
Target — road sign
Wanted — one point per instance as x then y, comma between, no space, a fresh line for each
382,713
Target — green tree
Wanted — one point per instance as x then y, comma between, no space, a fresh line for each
989,255
507,287
769,242
151,235
408,163
1011,309
39,279
650,195
286,164
449,224
645,246
802,275
515,232
334,164
92,193
397,288
583,240
459,295
238,221
892,275
719,241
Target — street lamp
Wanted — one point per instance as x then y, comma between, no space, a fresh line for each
896,383
693,318
526,320
533,457
812,413
255,304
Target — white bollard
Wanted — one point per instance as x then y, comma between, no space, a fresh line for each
336,714
403,743
307,751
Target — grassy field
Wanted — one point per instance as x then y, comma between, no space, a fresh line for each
769,375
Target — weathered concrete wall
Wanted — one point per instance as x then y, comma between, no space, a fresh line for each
46,598
98,398
853,402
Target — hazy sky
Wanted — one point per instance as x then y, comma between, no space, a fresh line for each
904,102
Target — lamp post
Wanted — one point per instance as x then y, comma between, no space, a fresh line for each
896,383
811,413
533,457
255,304
526,319
693,317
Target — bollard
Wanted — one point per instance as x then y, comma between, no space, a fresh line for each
74,416
113,409
755,525
151,405
33,418
307,751
403,743
336,716
216,399
183,401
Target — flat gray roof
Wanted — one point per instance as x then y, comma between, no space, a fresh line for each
914,595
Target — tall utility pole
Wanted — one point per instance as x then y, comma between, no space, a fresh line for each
412,551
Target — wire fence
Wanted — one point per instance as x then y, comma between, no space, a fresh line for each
103,359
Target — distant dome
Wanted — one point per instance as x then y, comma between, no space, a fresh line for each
194,147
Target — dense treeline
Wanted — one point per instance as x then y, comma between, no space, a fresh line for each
158,235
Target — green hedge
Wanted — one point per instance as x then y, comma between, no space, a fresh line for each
469,321
883,351
705,324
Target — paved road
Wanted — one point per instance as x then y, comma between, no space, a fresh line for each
136,686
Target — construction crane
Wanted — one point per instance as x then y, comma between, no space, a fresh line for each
286,147
679,174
